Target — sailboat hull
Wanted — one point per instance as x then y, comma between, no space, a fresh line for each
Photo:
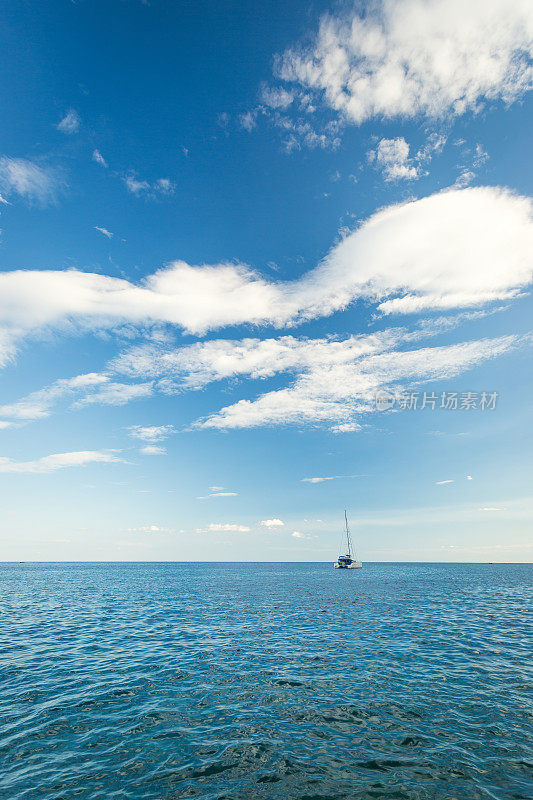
353,565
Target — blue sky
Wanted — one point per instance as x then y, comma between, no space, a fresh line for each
225,229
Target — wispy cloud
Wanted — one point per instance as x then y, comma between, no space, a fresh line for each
151,433
104,231
98,157
342,393
302,133
94,387
163,187
150,529
58,461
464,179
39,404
335,381
37,184
70,123
216,527
441,483
248,120
329,478
116,394
276,97
153,450
217,491
197,365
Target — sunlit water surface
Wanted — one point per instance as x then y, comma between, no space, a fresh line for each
264,681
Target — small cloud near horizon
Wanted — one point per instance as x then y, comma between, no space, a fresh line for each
272,523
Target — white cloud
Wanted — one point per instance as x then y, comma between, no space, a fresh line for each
441,483
164,186
58,461
285,407
28,180
161,187
277,97
480,155
464,179
151,433
153,450
101,390
335,380
413,57
116,394
135,186
328,477
299,535
8,346
217,494
215,527
491,508
300,133
104,231
344,392
150,529
248,120
392,157
434,144
475,249
469,477
39,404
346,427
98,157
70,122
196,365
272,523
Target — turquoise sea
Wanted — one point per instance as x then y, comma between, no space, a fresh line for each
245,681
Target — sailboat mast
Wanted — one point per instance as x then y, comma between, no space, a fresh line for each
348,538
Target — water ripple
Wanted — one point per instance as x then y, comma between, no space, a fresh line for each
239,681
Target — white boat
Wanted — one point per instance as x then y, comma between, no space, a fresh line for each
347,561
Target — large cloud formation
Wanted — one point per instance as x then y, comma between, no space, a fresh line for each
406,58
454,249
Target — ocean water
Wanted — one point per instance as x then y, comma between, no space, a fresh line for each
269,681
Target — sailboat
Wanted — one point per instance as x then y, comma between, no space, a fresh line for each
347,561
